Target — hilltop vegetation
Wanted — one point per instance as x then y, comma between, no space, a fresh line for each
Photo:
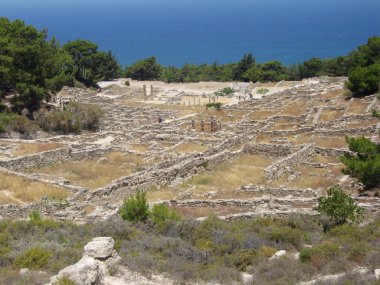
362,66
32,67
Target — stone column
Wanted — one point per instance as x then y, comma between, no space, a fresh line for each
151,90
145,93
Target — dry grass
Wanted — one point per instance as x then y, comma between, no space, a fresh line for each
357,107
93,174
362,124
262,114
301,138
295,109
138,147
333,94
191,147
283,127
325,159
330,115
331,142
263,138
31,148
314,178
19,190
230,175
164,193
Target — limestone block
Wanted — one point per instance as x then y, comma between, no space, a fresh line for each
100,248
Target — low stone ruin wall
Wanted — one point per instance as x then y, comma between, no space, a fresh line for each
286,164
51,157
275,150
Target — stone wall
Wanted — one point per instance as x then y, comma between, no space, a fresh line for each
51,157
287,164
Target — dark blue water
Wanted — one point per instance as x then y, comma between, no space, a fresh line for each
204,31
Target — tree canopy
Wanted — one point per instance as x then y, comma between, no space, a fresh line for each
31,66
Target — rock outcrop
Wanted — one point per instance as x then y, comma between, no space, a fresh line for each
93,268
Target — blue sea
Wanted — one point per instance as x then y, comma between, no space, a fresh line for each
205,31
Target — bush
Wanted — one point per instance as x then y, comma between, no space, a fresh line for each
135,208
262,91
127,83
365,163
217,106
364,80
161,213
14,122
339,208
35,216
74,118
225,91
33,258
320,255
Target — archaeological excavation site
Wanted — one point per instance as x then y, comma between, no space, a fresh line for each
265,150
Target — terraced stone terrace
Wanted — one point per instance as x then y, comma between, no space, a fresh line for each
259,155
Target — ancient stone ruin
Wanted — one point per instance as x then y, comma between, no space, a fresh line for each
271,154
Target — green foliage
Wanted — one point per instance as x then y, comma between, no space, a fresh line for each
14,122
74,118
127,83
33,258
147,69
247,62
262,91
321,254
364,164
161,213
375,114
217,105
225,91
30,66
310,68
135,208
35,216
92,65
339,207
364,80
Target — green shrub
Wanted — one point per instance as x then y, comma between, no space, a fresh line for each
74,118
161,213
339,207
135,208
35,216
321,254
217,105
262,91
242,258
364,164
375,114
16,123
225,91
127,83
33,258
364,80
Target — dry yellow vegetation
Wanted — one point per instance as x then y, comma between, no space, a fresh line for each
14,189
191,147
93,174
228,176
31,148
